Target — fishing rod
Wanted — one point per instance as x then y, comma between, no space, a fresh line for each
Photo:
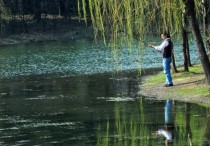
143,42
137,38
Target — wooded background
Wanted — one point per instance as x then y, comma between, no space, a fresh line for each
22,16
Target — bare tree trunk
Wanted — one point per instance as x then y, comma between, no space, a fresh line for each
37,10
187,123
174,69
206,135
12,24
190,11
24,24
184,47
1,25
206,10
205,23
44,21
188,52
184,41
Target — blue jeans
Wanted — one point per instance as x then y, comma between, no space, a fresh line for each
166,68
168,111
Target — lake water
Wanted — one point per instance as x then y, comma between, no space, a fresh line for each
83,57
94,110
67,94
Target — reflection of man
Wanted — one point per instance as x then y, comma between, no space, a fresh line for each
167,132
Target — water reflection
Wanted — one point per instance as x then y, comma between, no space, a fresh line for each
206,136
168,130
94,110
182,124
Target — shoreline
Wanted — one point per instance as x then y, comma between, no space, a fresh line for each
49,36
188,87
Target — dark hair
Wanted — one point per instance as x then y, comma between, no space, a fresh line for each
165,34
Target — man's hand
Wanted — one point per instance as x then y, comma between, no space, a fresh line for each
151,46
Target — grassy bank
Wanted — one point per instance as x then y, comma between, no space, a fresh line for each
188,86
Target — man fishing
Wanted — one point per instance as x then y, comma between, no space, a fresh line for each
166,48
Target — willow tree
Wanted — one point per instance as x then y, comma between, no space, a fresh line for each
127,18
191,14
203,9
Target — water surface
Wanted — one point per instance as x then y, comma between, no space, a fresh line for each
80,57
68,93
103,109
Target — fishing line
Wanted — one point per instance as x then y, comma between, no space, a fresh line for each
137,38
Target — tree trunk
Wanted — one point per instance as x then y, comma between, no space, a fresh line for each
188,135
24,24
174,64
174,69
206,11
205,23
186,42
190,11
184,47
0,23
188,53
44,21
37,10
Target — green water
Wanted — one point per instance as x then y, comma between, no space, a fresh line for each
93,110
66,93
78,58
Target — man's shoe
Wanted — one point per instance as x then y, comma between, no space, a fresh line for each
168,85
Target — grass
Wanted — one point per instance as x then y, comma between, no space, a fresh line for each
160,77
194,90
187,84
155,79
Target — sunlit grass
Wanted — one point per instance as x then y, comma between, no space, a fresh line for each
155,79
160,77
194,90
195,73
187,84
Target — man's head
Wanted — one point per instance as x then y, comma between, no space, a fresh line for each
164,35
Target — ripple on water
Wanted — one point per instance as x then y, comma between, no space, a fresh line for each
70,125
118,99
45,97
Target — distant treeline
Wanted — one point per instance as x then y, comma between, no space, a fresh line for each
38,7
39,14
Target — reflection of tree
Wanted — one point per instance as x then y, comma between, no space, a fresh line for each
134,125
187,123
207,131
130,129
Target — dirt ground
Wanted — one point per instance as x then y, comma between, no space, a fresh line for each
183,89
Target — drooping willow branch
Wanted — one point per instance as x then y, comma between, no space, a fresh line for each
110,17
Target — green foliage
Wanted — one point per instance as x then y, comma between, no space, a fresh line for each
134,18
121,21
4,12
